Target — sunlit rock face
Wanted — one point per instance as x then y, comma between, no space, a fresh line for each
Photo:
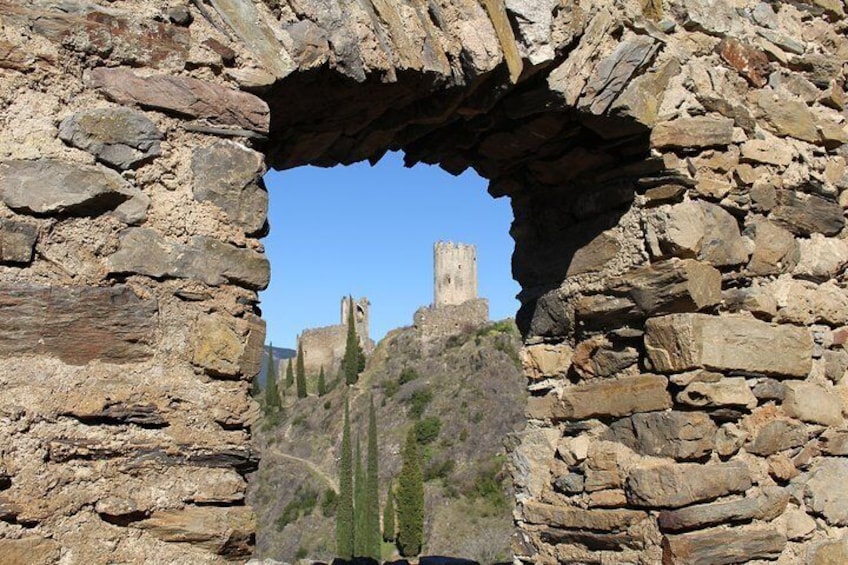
677,172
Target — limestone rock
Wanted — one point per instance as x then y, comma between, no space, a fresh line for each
828,553
813,403
29,551
680,342
77,325
697,229
673,486
727,392
120,137
17,241
681,435
777,435
723,547
799,525
786,116
805,214
693,133
50,186
229,175
213,262
184,96
671,286
535,451
822,494
619,397
770,151
821,258
767,505
835,442
775,249
217,348
225,531
546,360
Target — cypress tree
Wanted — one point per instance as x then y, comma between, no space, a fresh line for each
322,383
372,490
360,536
410,500
344,510
389,516
272,394
289,374
300,373
354,358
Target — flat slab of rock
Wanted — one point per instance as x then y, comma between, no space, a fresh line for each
144,251
50,186
681,435
673,486
811,402
184,96
767,505
230,176
691,133
17,241
620,397
680,342
225,531
723,547
77,325
777,435
120,137
805,214
569,517
30,551
725,392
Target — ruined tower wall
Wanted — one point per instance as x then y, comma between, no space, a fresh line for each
677,172
325,347
454,273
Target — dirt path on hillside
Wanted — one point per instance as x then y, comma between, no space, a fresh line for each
274,452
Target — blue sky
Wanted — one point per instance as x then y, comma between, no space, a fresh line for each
369,231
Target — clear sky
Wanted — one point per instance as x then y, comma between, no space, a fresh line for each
369,231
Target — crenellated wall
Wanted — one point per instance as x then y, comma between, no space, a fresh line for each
677,171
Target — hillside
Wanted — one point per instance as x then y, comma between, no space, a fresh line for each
476,394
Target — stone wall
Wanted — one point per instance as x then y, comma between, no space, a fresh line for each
436,322
677,174
325,347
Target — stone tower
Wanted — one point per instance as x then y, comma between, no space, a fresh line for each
361,309
455,273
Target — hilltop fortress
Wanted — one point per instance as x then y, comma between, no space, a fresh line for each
455,308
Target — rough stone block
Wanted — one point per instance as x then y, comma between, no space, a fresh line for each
767,505
681,435
29,550
824,491
671,286
813,403
225,531
693,133
805,214
723,547
17,241
777,435
217,347
546,360
673,486
775,249
619,397
680,342
146,252
183,96
77,325
828,553
726,392
230,176
120,137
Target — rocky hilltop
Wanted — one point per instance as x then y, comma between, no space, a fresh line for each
477,394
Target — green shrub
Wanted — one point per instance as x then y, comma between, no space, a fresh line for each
390,387
439,470
419,401
302,504
427,430
327,405
329,502
406,375
301,553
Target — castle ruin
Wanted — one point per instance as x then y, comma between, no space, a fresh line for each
678,175
456,307
325,347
